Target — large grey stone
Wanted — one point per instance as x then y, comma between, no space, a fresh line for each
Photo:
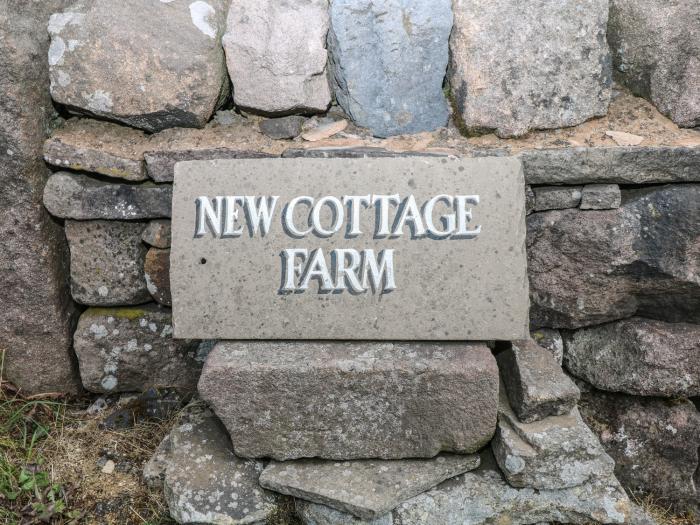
654,443
76,196
99,147
131,349
494,301
600,197
203,481
38,315
535,383
556,197
518,66
338,400
164,81
368,489
276,54
555,453
656,53
592,267
621,165
388,62
106,262
638,356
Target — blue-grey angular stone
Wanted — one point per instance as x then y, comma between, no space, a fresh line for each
388,62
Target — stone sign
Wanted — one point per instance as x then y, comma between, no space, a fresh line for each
393,248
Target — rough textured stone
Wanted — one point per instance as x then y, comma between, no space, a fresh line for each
552,341
340,400
157,274
592,267
276,54
283,128
529,199
601,197
157,234
75,196
388,62
556,197
315,514
518,66
161,164
638,356
106,262
622,165
353,153
163,82
35,336
535,383
131,349
654,443
99,147
203,481
656,53
368,489
555,453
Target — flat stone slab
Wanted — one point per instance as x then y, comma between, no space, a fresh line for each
161,164
601,197
337,400
556,197
367,489
536,385
203,481
367,269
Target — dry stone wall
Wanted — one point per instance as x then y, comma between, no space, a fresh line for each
613,240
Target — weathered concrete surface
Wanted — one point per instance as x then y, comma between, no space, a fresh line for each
98,147
77,196
157,234
535,384
654,442
203,481
106,262
556,197
338,400
367,489
131,349
600,197
276,54
156,268
638,356
656,53
557,452
518,66
161,83
388,62
482,497
592,267
38,314
426,264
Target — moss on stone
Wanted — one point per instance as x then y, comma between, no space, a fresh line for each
130,313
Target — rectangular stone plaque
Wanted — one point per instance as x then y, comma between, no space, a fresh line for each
419,248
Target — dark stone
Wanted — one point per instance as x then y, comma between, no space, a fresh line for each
157,273
157,234
161,164
283,128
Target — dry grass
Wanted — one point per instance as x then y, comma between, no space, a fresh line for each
662,514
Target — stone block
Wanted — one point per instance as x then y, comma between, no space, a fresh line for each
203,481
76,196
156,269
161,164
157,234
132,349
161,83
518,66
656,53
276,55
339,400
283,128
626,260
556,197
601,197
388,62
38,315
368,489
556,452
638,356
535,383
106,262
654,443
98,147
